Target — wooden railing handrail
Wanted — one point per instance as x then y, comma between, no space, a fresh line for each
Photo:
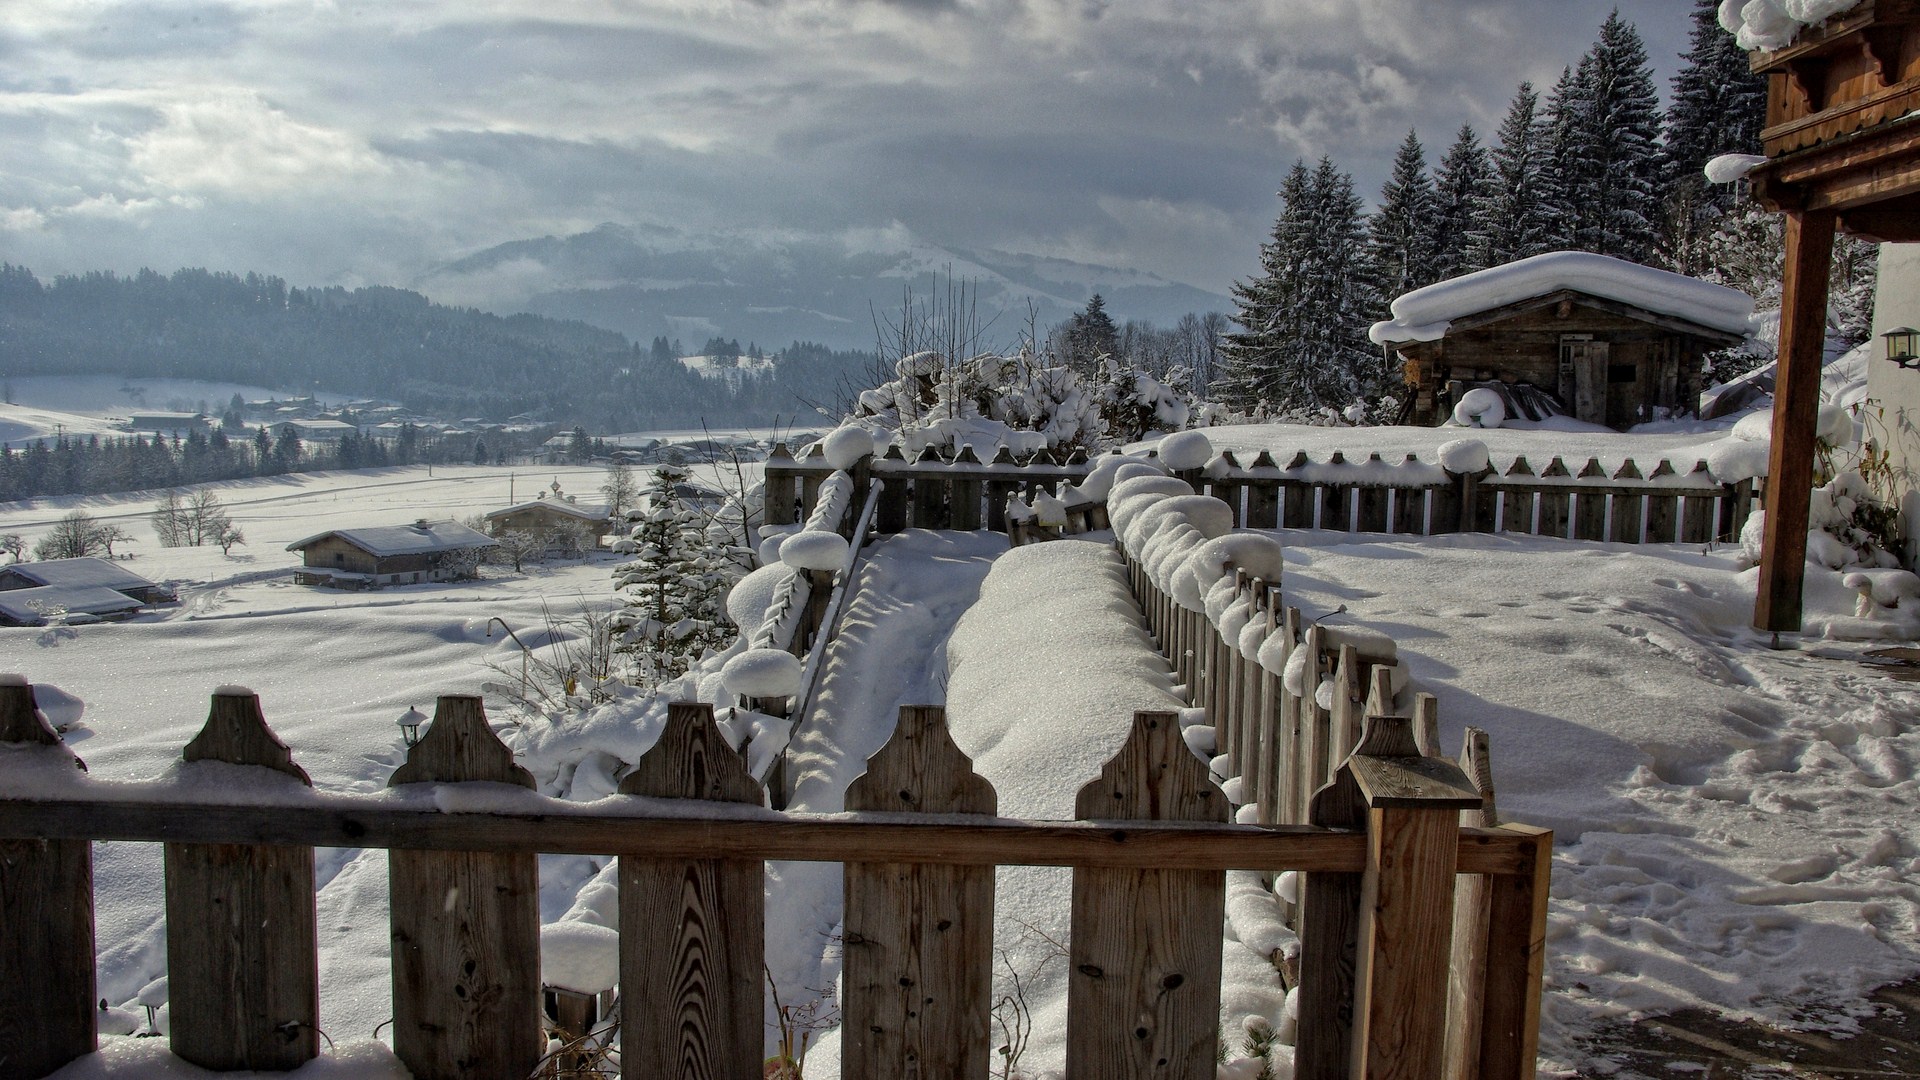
970,840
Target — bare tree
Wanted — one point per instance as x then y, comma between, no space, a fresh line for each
620,488
75,536
228,536
191,519
109,535
11,544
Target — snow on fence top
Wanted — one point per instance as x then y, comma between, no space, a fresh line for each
1425,314
1773,24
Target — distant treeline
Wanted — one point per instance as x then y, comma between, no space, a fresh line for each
91,465
383,342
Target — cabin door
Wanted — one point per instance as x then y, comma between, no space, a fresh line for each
1583,370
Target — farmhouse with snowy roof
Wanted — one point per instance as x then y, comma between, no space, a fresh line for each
1565,333
543,515
389,555
73,590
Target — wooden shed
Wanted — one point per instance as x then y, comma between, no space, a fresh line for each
542,516
388,555
1565,333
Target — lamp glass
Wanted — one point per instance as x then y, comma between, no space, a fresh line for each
1900,344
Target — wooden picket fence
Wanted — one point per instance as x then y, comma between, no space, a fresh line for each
1629,505
1149,850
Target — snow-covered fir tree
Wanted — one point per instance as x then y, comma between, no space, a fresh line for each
674,587
1401,241
1718,107
1561,175
1090,338
1302,351
1511,217
1609,165
1460,184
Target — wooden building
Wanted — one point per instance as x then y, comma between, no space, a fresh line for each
85,573
543,516
1565,333
390,555
1842,144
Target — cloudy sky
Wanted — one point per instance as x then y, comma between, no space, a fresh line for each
365,141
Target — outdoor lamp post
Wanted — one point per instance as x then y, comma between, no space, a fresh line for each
410,722
1900,346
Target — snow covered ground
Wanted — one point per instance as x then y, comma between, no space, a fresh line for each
1734,821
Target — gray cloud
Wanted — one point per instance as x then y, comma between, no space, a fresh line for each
375,142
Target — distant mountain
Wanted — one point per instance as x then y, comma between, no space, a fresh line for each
648,281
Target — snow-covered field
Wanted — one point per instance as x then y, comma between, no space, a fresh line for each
1734,821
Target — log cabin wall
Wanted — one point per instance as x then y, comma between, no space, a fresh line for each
1630,368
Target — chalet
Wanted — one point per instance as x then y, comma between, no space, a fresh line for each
388,555
170,423
43,604
87,573
547,513
315,430
1565,333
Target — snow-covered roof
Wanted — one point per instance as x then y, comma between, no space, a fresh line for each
420,538
1773,24
79,573
1425,314
31,606
321,425
589,512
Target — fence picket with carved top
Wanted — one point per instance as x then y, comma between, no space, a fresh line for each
243,977
918,939
1590,504
1627,511
691,933
1143,995
47,1015
466,1002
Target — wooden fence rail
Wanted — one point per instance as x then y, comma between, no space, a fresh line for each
1410,497
1148,858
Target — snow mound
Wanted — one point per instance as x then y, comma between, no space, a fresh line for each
1185,450
814,550
762,673
1099,481
1424,314
61,709
845,446
1463,457
1774,24
579,956
751,596
1480,408
1259,554
1728,168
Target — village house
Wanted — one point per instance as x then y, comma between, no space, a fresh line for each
315,430
376,557
550,512
1566,333
169,423
73,590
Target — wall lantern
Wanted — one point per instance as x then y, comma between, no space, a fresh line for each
410,722
1900,346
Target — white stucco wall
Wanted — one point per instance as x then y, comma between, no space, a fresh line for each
1896,302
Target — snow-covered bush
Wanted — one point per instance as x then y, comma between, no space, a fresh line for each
675,586
986,401
1133,403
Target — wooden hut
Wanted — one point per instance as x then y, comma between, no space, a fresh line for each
1842,144
388,555
1565,333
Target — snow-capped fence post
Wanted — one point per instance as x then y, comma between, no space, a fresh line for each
1516,512
891,515
1317,757
1397,913
1280,722
465,924
243,975
966,490
1143,990
1298,513
998,488
1627,509
929,491
47,1014
1230,719
1372,500
1554,499
1410,504
1230,487
1349,702
1263,494
918,939
1336,500
810,481
692,943
1663,507
1590,503
782,508
1697,518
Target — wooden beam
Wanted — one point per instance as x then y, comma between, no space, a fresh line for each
1803,328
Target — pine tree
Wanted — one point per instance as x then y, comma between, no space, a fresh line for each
1606,119
1402,242
1248,370
674,587
1460,185
1091,338
1718,107
1512,215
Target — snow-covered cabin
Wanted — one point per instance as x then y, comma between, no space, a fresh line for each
549,512
170,423
85,573
1568,332
388,555
315,430
43,604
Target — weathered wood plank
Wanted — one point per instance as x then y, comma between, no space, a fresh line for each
1516,959
918,939
1329,921
1553,501
466,1001
1627,513
1803,315
890,516
242,968
1590,504
966,492
691,930
47,1015
1472,911
1143,995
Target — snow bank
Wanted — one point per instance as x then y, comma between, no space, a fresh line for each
1424,314
751,596
1185,450
1774,24
579,956
845,446
762,673
1462,457
814,550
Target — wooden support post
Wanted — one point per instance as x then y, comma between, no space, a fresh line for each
692,953
919,939
890,516
1663,510
1467,974
1263,495
966,491
782,509
1803,330
1553,501
1406,903
1143,992
243,974
1628,515
1349,703
1371,515
47,1014
1590,503
931,488
1697,516
465,924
